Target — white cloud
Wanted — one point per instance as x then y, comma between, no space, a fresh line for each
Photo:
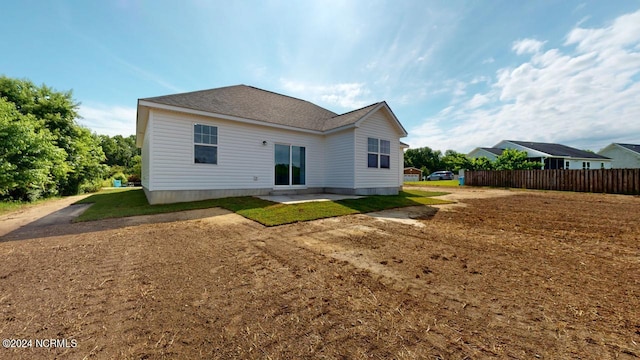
489,60
108,120
527,46
584,94
477,101
348,96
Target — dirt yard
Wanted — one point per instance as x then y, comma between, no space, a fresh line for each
529,275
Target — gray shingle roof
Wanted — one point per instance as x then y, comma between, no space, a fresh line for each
348,118
256,104
632,147
494,151
558,150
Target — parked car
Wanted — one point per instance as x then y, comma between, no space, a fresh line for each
440,175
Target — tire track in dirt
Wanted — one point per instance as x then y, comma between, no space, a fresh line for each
332,242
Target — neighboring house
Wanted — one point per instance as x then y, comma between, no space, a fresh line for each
241,140
553,156
412,174
490,153
623,156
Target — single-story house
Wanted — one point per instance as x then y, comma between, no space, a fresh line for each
241,140
490,153
553,156
412,174
623,156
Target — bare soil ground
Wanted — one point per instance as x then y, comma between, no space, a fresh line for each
531,275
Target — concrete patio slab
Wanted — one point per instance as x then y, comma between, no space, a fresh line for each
302,198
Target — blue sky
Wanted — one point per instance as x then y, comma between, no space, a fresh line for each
457,74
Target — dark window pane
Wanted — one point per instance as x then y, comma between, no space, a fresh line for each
372,160
298,165
384,161
205,134
385,147
206,154
282,164
372,145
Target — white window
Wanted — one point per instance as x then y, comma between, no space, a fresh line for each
378,153
586,165
205,144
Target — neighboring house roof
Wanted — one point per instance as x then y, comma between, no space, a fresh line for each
558,150
248,102
494,151
485,152
632,147
412,168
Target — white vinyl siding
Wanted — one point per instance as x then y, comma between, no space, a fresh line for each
377,126
621,158
586,164
339,162
243,161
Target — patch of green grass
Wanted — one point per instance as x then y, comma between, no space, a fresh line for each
131,202
433,183
126,202
280,214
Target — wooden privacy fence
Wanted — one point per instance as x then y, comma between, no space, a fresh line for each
612,181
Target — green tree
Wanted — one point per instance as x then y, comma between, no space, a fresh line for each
423,158
454,161
30,163
119,150
57,112
512,159
481,163
85,161
136,168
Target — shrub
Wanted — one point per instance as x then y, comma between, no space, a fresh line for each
91,187
119,176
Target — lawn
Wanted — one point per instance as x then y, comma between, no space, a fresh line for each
432,183
131,202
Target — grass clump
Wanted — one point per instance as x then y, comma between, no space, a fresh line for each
432,183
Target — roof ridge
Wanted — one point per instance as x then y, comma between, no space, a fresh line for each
289,96
193,92
362,108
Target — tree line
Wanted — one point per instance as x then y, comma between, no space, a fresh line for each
44,151
429,160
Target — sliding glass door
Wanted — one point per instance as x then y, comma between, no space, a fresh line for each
290,165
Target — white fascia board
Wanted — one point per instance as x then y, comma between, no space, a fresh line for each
225,117
587,159
532,152
627,149
142,116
